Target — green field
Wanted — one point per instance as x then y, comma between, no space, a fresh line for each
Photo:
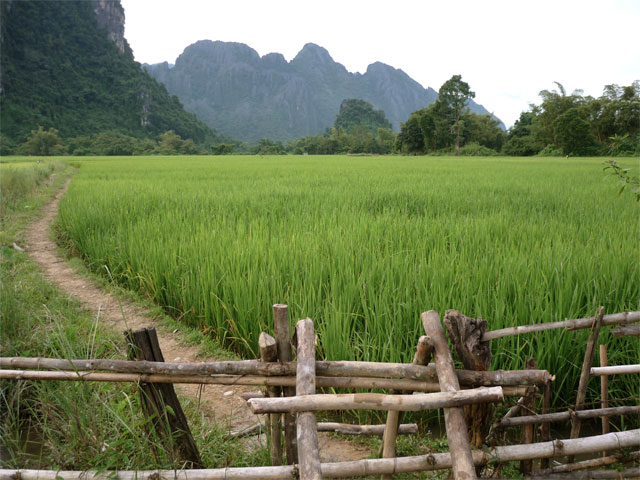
364,245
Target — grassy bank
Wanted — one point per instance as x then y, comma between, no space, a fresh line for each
364,245
72,425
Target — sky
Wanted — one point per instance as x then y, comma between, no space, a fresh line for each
507,51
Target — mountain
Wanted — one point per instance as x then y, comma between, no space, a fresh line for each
234,90
67,65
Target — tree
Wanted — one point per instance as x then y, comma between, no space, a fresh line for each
411,139
43,142
572,133
454,95
355,112
170,143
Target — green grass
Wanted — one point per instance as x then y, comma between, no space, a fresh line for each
364,245
70,425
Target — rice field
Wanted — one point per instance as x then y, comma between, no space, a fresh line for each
364,245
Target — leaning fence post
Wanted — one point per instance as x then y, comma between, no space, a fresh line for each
585,373
269,353
455,424
283,341
159,400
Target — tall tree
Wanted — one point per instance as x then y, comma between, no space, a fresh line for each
454,94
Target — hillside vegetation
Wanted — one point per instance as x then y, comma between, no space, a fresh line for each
61,70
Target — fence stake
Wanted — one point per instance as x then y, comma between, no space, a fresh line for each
466,333
307,433
424,351
545,429
584,374
269,353
604,390
171,422
527,435
283,340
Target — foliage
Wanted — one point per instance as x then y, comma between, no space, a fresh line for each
577,125
477,150
337,141
355,112
453,96
44,143
266,146
626,179
364,245
60,70
223,149
447,124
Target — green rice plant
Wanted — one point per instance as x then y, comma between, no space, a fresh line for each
364,245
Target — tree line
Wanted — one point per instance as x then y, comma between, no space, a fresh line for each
562,124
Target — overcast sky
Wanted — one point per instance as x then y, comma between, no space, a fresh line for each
506,50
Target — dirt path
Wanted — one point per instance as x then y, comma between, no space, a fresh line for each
220,403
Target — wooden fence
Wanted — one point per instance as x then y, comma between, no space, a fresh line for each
290,400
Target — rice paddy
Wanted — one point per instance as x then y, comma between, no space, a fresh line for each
364,245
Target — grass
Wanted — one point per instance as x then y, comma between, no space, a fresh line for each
364,245
72,425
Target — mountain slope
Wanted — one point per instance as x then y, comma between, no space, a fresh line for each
67,65
234,90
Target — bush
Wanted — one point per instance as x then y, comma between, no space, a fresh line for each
521,147
477,150
550,151
624,145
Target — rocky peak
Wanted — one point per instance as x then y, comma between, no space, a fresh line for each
274,60
220,54
110,17
312,53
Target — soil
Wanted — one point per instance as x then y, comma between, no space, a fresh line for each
221,404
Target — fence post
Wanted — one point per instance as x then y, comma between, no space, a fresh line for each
170,423
283,341
604,390
269,353
585,373
423,354
455,424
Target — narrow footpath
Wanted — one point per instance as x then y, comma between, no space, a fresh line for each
221,404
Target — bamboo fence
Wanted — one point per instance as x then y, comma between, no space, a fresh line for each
290,401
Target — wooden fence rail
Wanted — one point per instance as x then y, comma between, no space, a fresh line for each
286,369
359,468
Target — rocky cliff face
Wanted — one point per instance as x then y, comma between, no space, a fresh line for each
110,16
231,88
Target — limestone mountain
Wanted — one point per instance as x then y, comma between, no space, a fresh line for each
237,92
68,66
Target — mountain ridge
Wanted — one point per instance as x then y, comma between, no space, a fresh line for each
234,90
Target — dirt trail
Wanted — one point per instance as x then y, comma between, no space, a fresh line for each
220,403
